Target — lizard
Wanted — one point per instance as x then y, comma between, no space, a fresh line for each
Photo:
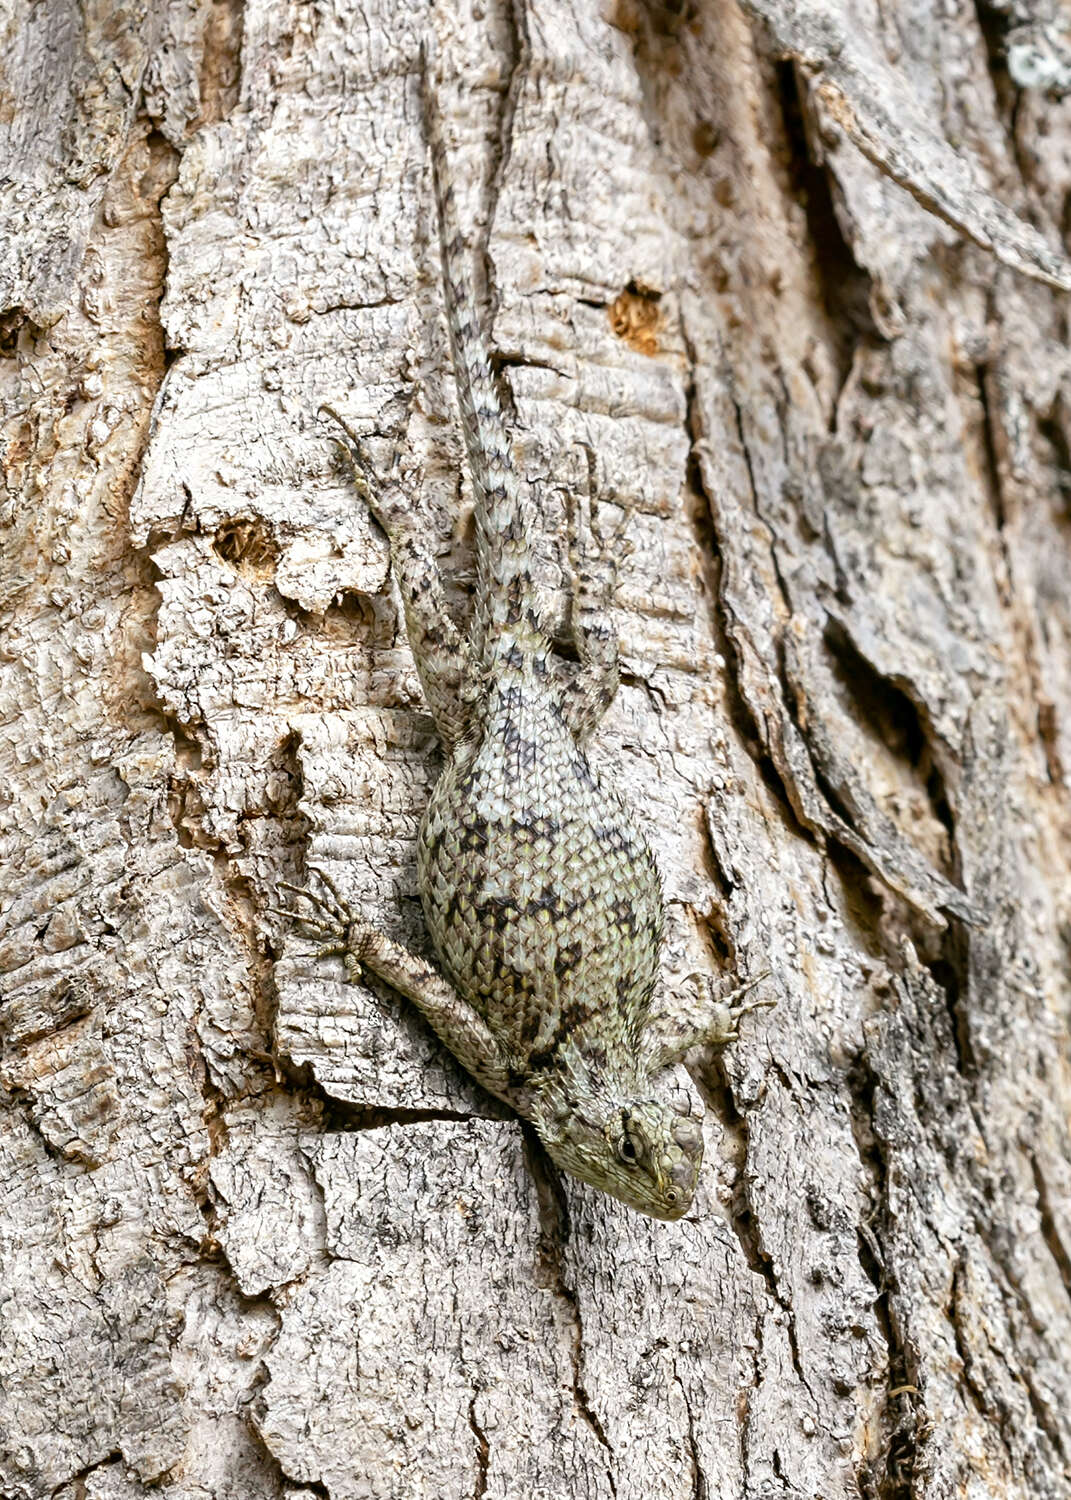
540,893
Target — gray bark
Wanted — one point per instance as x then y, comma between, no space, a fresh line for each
797,274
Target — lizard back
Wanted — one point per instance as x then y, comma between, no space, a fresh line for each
540,894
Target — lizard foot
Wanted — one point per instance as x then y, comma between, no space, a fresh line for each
332,919
725,1022
702,1022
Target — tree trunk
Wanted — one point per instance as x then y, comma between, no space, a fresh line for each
796,275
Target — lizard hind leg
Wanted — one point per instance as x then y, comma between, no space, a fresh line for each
595,556
363,947
443,657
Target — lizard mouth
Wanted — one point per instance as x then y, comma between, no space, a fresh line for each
676,1186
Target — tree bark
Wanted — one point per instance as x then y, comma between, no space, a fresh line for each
797,275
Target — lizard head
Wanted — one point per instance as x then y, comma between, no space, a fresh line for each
644,1152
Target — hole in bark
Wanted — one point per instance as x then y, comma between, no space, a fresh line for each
248,546
661,18
12,321
950,972
356,618
886,707
635,317
993,23
1052,429
990,466
714,926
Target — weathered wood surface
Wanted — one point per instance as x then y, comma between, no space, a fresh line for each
794,273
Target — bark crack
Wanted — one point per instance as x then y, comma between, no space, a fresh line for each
844,288
890,1474
343,1117
700,1488
743,717
744,1222
993,22
991,461
554,1230
1059,1251
78,1481
483,1451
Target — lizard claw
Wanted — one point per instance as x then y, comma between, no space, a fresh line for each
353,446
596,549
332,918
725,1026
352,439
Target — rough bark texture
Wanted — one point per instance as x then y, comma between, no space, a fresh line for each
794,273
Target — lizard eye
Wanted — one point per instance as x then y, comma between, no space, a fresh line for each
627,1150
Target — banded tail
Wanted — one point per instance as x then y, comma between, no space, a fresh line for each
506,607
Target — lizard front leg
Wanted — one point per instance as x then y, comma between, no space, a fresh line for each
443,658
667,1037
455,1022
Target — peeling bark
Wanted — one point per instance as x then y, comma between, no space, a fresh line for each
798,275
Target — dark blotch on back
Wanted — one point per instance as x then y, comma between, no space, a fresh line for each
497,913
624,914
613,836
525,752
566,959
582,771
572,1018
472,837
532,827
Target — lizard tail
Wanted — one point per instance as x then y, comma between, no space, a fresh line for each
505,520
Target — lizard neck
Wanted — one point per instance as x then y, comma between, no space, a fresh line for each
595,1075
